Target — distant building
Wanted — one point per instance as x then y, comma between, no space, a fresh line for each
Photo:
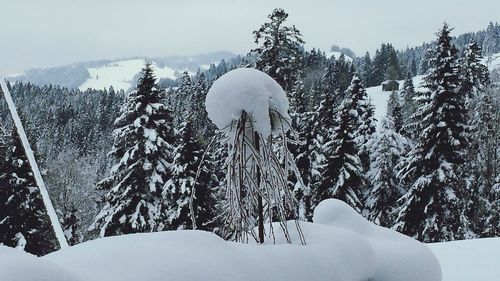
390,85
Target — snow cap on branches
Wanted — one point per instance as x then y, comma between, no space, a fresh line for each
252,91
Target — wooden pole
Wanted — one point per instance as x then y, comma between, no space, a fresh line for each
34,167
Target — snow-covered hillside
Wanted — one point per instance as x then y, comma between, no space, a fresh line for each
379,98
120,74
337,54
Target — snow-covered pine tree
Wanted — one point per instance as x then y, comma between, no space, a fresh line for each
407,98
280,53
367,126
474,78
341,169
179,99
387,147
202,127
143,148
491,43
431,210
366,69
474,74
484,162
304,150
179,189
24,222
394,110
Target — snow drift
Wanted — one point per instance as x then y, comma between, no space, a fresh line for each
16,265
341,246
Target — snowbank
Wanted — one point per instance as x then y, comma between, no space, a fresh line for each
398,257
341,246
469,260
16,265
252,91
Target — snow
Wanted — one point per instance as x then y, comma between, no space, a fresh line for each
252,91
120,74
16,265
34,166
337,54
379,98
467,260
341,246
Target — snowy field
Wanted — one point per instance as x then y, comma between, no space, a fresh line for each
120,74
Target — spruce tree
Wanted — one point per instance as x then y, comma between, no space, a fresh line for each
387,148
281,50
304,148
484,163
432,208
341,169
179,189
473,73
199,117
143,148
24,222
367,126
394,110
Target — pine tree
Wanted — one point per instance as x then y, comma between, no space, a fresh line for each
143,149
303,149
387,149
281,51
24,222
199,116
432,208
342,171
367,126
484,163
366,69
474,74
179,188
394,110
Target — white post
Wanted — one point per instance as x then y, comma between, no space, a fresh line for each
34,167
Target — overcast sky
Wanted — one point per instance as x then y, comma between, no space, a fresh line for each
45,33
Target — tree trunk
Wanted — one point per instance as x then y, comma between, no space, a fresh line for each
260,206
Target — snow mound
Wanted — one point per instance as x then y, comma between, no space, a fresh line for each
252,91
197,255
467,260
341,245
398,257
16,265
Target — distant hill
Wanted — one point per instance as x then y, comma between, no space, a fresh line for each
119,73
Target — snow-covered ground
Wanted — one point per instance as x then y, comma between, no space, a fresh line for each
379,98
120,74
469,260
341,246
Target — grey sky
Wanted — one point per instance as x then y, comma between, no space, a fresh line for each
44,33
